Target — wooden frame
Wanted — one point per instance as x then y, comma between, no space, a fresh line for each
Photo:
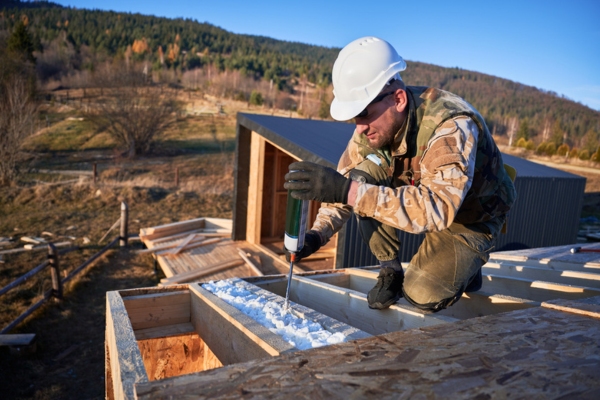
147,328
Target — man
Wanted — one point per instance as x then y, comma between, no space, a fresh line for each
421,160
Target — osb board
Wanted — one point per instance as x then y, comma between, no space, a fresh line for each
176,355
532,353
558,256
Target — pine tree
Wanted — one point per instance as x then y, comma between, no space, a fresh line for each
20,42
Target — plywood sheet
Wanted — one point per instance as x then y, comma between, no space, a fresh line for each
532,353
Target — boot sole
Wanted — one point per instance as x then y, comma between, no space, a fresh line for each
380,306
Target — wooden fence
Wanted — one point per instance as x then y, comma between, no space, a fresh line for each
53,263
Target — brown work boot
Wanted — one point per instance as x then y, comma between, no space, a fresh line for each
388,289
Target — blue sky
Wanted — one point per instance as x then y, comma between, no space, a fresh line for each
550,44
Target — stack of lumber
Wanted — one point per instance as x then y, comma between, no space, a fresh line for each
197,249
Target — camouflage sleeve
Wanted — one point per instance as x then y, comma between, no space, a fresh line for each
330,219
447,169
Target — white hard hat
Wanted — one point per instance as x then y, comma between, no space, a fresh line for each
360,71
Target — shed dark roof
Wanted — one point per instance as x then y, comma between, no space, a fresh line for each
325,141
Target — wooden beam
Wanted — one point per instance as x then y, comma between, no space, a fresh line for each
182,244
249,263
164,331
193,245
591,278
469,306
126,364
156,310
255,189
534,289
241,180
196,274
350,307
169,246
230,334
173,228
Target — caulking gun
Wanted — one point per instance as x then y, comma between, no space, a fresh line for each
296,214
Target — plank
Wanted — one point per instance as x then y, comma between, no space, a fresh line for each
126,366
196,274
155,310
175,227
230,334
193,245
562,276
535,290
249,262
181,245
557,257
17,339
471,305
172,245
350,307
255,188
163,331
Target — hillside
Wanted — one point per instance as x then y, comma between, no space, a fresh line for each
74,41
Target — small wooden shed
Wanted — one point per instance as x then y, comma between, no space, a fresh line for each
546,213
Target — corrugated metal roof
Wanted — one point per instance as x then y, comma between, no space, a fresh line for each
311,140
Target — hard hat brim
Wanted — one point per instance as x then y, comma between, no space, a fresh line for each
344,111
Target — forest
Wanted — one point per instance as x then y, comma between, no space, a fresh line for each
70,42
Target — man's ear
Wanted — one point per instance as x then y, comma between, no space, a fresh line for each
401,100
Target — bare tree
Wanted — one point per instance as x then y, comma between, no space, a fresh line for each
18,110
132,109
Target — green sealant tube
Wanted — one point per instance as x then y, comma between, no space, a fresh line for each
296,214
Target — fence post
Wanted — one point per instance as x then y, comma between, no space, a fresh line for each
177,177
123,233
95,173
54,273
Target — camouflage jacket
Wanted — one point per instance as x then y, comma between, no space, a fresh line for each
444,168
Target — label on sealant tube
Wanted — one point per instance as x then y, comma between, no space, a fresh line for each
296,215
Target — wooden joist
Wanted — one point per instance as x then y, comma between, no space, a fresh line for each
231,335
156,310
575,277
534,289
197,274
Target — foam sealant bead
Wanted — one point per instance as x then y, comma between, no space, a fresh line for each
301,333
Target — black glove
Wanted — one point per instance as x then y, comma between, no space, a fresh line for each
310,181
312,244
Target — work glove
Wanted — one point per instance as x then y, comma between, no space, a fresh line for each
310,181
312,244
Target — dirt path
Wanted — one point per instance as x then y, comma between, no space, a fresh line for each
69,361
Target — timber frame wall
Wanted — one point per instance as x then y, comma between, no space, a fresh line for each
260,199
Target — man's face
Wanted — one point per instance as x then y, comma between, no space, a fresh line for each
381,122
